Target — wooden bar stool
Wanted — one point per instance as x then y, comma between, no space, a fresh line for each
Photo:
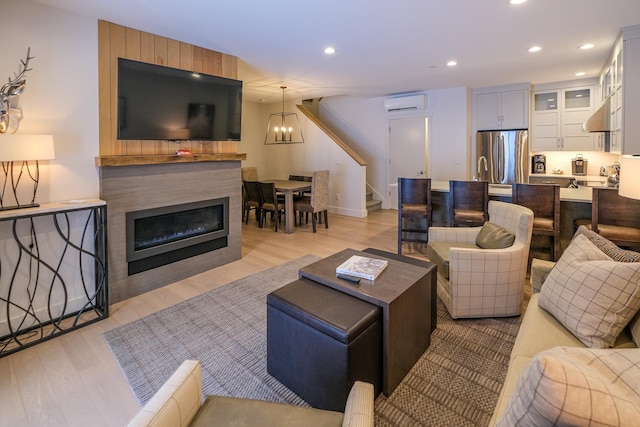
414,210
468,203
544,201
614,217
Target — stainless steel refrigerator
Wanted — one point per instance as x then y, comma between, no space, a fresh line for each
506,154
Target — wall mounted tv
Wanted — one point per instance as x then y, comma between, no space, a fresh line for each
163,103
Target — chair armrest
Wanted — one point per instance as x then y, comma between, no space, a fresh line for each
176,402
454,234
358,411
539,271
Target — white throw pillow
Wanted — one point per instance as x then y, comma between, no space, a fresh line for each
592,296
577,386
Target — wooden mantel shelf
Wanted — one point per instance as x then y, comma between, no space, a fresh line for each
156,159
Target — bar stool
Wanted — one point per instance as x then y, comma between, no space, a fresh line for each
614,217
544,201
468,203
414,210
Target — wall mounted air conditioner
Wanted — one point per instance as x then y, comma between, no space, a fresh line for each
403,103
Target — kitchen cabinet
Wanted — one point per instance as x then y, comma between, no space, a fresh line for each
546,179
502,110
558,114
620,80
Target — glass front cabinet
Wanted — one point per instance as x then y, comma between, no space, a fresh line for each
558,115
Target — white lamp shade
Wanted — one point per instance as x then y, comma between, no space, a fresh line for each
629,177
15,148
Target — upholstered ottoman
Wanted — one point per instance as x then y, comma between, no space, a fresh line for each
319,341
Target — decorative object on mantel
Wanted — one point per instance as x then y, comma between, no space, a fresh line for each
283,127
629,181
19,156
10,113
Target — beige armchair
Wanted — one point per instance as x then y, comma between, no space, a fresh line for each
179,403
476,282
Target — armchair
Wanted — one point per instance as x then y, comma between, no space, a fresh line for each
179,403
476,282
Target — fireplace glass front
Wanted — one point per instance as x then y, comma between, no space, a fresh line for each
167,234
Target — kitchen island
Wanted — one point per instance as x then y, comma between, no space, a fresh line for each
575,203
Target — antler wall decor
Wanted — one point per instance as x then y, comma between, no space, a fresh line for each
10,113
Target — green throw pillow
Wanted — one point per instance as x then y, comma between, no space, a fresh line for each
493,236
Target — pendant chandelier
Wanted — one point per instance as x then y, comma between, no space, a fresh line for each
283,127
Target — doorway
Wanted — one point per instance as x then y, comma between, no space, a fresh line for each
408,149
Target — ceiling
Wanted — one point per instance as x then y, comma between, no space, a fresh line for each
383,47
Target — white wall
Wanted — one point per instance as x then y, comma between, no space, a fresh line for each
61,94
364,124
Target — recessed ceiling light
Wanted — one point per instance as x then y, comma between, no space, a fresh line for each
452,64
535,49
586,46
580,73
330,50
516,1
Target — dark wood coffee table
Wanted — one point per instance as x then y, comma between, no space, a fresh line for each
404,292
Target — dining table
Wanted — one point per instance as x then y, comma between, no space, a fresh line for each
289,188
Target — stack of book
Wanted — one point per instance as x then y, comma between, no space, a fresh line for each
362,267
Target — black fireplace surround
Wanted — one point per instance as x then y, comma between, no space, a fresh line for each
167,234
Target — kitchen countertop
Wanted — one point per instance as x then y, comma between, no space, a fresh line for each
581,194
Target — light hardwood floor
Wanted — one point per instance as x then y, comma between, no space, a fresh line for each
74,380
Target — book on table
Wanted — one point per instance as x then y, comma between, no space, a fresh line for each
363,267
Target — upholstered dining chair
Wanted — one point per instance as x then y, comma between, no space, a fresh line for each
249,173
480,273
270,203
614,217
318,202
252,200
544,201
414,210
468,202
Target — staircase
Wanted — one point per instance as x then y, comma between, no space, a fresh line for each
372,205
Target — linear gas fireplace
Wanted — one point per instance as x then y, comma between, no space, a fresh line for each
160,236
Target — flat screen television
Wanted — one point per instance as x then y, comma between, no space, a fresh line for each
163,103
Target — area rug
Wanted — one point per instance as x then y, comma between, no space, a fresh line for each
456,382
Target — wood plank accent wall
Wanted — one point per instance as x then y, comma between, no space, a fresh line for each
116,41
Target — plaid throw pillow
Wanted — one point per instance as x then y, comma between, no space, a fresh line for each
608,247
592,296
577,386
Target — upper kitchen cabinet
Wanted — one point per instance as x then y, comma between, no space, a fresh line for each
630,90
559,109
620,82
501,109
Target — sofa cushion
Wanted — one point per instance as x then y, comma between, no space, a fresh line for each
573,386
231,411
592,296
438,253
493,236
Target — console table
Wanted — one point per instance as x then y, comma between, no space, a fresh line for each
53,271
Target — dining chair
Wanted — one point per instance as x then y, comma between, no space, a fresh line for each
414,210
249,173
544,201
301,194
318,202
614,217
253,200
468,203
270,203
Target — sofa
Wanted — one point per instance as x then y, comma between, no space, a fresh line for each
554,364
179,403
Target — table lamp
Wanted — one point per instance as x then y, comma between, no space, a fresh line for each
629,176
19,157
